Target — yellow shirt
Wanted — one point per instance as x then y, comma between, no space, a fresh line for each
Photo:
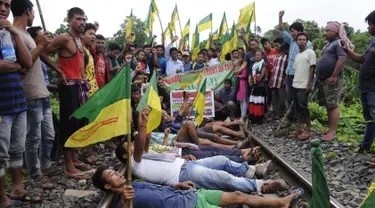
90,74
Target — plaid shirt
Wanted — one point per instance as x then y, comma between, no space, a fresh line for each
293,50
278,72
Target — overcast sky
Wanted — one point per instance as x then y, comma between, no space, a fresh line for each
111,13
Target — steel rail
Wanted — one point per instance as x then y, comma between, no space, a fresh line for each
289,173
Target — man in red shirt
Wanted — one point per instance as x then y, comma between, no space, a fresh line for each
102,66
271,54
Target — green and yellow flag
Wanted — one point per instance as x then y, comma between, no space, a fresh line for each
150,19
192,78
174,18
200,102
148,38
151,98
205,23
195,44
223,26
369,201
226,46
215,35
186,31
245,14
168,31
130,26
108,112
234,38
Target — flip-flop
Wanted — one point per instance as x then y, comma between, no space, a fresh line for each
304,136
78,176
83,166
328,138
296,198
371,161
30,197
296,133
41,182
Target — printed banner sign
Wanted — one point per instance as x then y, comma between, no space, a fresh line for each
215,75
177,99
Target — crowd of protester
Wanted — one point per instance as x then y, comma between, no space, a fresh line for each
202,162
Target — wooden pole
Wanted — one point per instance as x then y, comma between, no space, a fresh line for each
41,15
129,166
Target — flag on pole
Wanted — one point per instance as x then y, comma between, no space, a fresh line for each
168,31
208,43
150,19
130,26
186,30
200,102
195,44
174,18
234,38
223,26
320,191
245,13
226,46
189,79
151,98
215,35
205,23
107,111
369,201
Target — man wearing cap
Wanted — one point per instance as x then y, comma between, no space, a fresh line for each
186,61
330,75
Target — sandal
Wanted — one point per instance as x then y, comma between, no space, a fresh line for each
52,171
42,182
371,161
254,156
296,198
78,176
305,136
82,166
30,197
296,133
328,138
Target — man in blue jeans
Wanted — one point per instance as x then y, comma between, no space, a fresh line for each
12,109
40,131
291,39
217,172
366,85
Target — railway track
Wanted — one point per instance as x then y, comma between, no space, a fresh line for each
288,172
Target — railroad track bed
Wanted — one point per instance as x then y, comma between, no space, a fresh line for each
348,175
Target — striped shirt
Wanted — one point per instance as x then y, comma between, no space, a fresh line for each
293,50
277,75
12,99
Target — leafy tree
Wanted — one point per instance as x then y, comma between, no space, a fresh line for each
349,30
312,29
274,33
62,29
139,31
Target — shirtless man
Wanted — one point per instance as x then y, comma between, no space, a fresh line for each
73,90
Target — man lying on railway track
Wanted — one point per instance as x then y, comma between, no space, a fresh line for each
182,195
217,172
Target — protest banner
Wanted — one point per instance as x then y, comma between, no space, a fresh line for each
177,99
215,75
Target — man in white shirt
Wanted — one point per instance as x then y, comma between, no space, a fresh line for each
304,65
212,58
218,173
174,66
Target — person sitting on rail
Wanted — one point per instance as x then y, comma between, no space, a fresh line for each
182,195
212,173
208,131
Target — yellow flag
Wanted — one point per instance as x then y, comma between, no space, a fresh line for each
245,16
200,103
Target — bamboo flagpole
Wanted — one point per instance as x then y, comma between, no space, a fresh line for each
129,167
41,15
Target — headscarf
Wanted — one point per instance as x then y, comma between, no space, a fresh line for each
340,30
